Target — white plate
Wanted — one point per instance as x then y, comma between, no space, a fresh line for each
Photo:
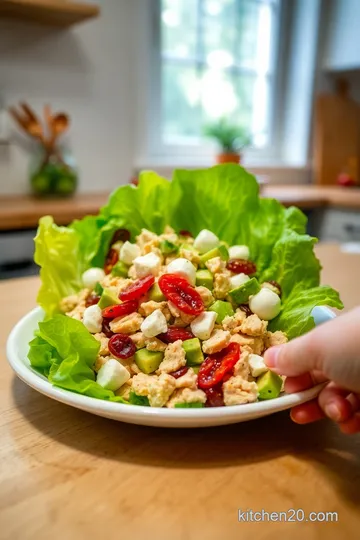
17,351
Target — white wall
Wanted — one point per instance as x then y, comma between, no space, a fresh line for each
86,71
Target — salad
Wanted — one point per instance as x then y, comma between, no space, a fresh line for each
172,294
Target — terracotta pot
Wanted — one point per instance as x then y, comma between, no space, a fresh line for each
230,157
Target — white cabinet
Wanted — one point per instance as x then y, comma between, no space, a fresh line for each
342,43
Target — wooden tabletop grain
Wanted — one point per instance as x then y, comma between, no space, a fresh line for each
66,474
24,211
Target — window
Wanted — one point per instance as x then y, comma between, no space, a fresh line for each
217,60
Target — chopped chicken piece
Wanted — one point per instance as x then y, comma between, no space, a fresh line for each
254,326
132,272
134,369
150,248
154,344
145,237
156,389
242,367
174,358
219,340
169,259
186,395
190,255
104,342
216,265
79,307
100,361
119,283
175,312
181,318
275,338
147,308
129,324
255,344
233,323
206,295
189,380
238,391
222,285
124,390
139,339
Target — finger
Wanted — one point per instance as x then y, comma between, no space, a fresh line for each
332,400
332,348
351,426
303,382
307,412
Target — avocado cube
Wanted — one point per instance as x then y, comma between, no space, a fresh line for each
196,369
155,294
220,251
241,294
188,247
120,269
269,385
108,298
193,352
204,278
223,309
148,361
167,247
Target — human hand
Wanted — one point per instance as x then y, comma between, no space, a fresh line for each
330,352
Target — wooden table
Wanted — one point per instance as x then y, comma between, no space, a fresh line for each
24,211
65,474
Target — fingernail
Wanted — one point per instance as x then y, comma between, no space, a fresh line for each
333,412
271,357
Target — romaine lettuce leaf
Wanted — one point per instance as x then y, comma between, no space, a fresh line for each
66,352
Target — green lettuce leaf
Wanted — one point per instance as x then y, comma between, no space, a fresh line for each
295,318
224,199
65,352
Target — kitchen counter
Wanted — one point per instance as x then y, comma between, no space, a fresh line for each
23,212
68,474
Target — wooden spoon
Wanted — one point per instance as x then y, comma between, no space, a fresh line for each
59,124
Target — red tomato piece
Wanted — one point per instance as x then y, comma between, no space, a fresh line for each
111,259
241,266
173,334
92,299
121,235
185,233
118,310
121,346
216,366
180,372
183,295
214,396
137,289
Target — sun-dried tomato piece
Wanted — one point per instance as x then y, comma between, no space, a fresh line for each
174,333
137,289
111,259
119,310
183,295
179,372
121,346
216,366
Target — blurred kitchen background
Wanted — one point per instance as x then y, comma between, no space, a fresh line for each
160,84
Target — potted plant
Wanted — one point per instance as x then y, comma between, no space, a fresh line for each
232,139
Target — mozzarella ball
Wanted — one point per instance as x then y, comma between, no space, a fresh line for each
265,304
203,324
92,319
154,324
205,241
184,268
92,276
239,252
237,280
257,365
147,264
112,375
129,252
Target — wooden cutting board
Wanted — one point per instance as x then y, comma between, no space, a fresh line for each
336,136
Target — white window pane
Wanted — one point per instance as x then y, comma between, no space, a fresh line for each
180,102
179,27
218,27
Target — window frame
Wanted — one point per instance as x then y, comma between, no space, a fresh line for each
159,151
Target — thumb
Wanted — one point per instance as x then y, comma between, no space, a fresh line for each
332,348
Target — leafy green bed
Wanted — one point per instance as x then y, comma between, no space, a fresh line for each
224,199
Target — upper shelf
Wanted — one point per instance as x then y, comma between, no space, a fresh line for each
49,12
